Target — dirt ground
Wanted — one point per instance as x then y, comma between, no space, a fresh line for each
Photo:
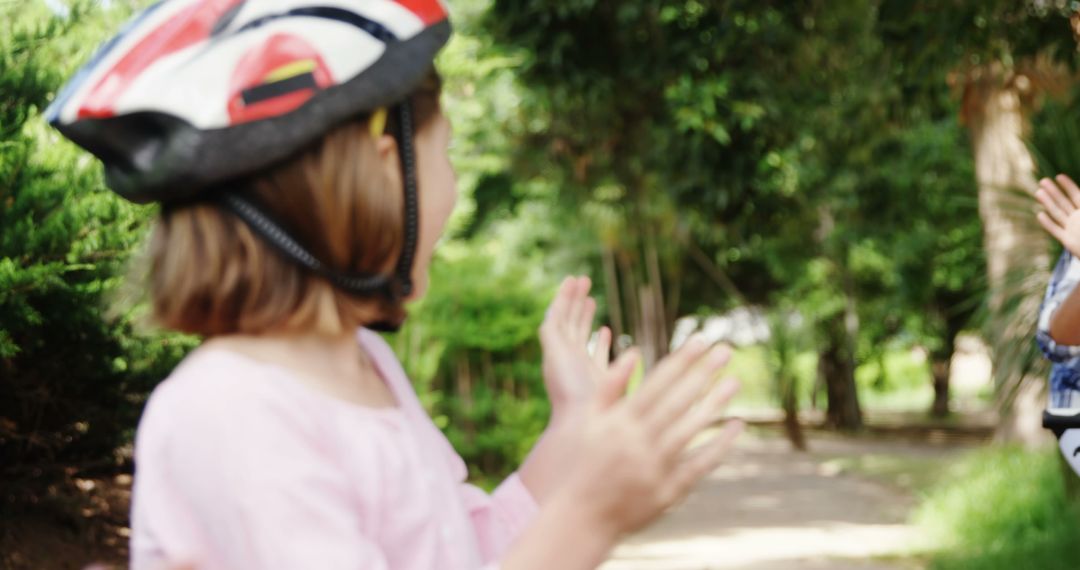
74,525
771,509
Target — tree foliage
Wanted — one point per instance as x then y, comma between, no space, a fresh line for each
72,377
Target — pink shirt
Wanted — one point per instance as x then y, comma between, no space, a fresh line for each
240,466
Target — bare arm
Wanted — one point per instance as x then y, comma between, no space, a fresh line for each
562,536
1065,324
1060,200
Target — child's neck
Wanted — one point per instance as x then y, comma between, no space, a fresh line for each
336,366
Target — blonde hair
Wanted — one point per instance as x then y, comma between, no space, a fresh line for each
211,275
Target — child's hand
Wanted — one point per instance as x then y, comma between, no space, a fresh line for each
570,374
633,462
630,459
1060,199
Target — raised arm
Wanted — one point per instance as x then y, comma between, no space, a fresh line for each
1059,323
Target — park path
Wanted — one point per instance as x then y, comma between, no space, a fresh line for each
771,509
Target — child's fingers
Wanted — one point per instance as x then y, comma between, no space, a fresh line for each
681,395
1070,188
684,429
572,303
1051,206
584,322
707,458
602,351
574,307
585,285
1051,187
556,312
1055,193
671,368
1051,227
614,381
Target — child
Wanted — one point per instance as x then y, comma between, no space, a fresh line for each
1059,320
299,153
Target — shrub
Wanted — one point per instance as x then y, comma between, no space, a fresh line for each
1002,508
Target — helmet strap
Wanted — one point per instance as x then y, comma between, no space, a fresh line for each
275,235
403,133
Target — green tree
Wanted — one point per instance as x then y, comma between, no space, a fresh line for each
1003,58
72,380
675,121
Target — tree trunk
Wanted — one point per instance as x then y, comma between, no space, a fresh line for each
652,338
671,308
653,325
836,369
815,392
1021,421
659,302
940,368
614,305
836,357
630,304
645,308
1016,253
792,427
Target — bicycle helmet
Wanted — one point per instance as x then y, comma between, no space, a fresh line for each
192,94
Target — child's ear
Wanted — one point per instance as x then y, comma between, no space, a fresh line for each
387,148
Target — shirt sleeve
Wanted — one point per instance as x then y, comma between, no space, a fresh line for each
499,518
1064,280
254,479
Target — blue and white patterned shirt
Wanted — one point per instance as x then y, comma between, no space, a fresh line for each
1065,370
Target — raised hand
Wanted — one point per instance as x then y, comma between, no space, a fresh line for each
632,457
571,377
570,374
1060,199
634,462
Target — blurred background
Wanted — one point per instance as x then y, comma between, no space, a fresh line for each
841,190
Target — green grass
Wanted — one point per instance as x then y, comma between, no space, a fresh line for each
905,384
751,366
1001,508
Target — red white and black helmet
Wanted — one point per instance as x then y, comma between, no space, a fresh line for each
194,93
